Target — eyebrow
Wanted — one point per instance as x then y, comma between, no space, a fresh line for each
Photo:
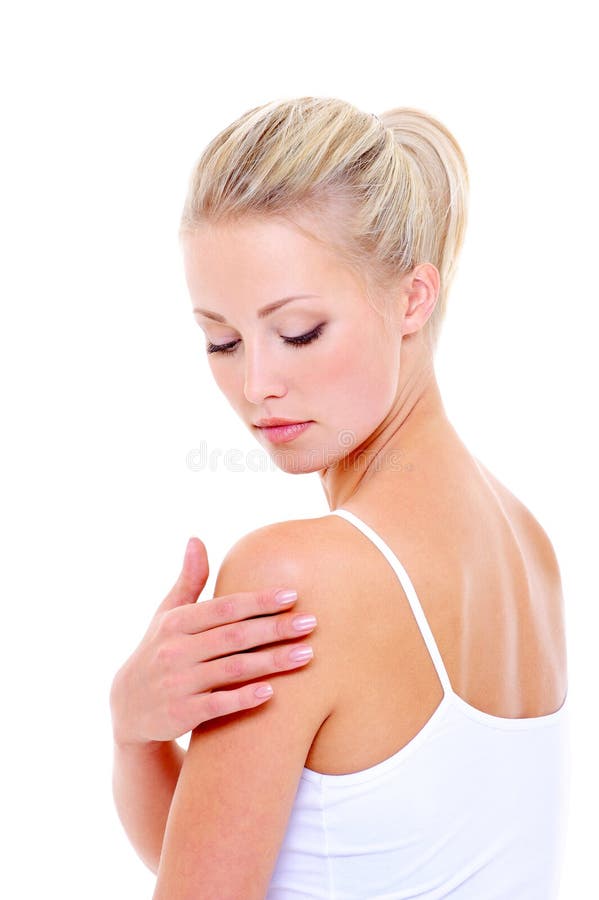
262,313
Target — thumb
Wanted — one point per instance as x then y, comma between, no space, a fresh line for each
192,579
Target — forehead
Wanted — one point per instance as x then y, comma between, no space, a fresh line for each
261,258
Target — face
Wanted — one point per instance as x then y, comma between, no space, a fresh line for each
324,358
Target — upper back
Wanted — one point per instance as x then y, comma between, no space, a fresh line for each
489,585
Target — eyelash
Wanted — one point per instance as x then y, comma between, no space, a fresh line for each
297,342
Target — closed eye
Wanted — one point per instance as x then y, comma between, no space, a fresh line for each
299,341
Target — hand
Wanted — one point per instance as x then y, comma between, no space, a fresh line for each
168,685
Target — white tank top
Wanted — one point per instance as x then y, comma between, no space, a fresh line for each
474,807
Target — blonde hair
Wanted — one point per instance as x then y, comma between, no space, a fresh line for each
393,189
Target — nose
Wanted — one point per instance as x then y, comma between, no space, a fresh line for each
262,378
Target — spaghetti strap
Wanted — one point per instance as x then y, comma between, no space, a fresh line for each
410,592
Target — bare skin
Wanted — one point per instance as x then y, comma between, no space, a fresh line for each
183,673
499,628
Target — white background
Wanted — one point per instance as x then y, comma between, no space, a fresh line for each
106,389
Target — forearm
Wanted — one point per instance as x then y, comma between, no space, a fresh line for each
143,782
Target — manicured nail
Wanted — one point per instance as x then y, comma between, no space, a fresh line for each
301,654
264,690
283,597
304,623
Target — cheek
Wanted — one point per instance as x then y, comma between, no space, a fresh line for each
359,385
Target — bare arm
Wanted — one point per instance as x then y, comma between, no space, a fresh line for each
170,684
241,773
143,783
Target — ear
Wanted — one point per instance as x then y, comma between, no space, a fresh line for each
419,292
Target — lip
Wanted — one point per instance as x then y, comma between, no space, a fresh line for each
281,434
267,423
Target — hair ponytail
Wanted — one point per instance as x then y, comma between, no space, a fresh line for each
440,164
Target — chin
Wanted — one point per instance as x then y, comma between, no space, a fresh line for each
303,462
296,463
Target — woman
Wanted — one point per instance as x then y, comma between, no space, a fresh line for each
423,752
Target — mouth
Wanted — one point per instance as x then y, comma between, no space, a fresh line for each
281,433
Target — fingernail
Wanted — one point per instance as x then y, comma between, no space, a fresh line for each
304,623
300,654
264,690
283,597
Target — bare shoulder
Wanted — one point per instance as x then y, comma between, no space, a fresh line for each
300,551
308,556
533,536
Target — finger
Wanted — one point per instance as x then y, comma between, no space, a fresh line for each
193,577
241,636
250,666
223,703
230,608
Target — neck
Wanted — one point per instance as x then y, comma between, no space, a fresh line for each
392,451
